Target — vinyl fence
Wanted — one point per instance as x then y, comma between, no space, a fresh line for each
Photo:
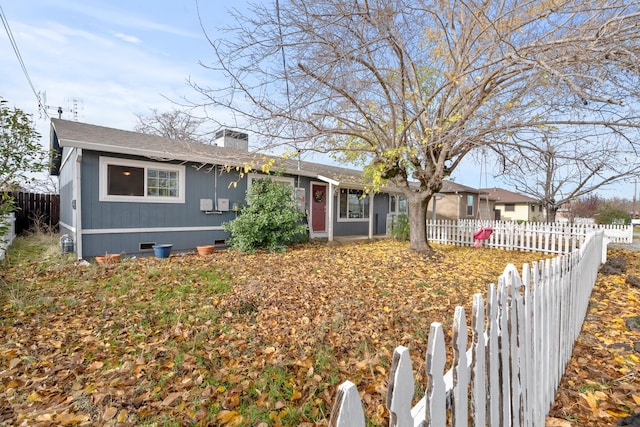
552,237
522,337
7,237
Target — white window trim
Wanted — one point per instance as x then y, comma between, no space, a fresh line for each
339,219
106,161
472,206
397,209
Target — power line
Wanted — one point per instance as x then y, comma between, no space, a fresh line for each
16,50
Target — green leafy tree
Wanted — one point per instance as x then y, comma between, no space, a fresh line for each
611,214
21,155
408,88
270,221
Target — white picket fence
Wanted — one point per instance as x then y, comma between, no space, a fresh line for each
521,341
545,237
7,238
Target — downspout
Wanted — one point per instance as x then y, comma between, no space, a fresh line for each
371,215
330,198
78,204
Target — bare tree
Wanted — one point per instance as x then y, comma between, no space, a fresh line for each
174,124
585,207
557,171
410,87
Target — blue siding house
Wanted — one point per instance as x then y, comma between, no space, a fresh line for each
122,192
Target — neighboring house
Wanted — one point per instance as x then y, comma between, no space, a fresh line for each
513,206
123,192
457,201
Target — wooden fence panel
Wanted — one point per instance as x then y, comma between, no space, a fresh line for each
521,342
34,209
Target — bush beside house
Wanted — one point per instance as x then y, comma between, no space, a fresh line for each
271,220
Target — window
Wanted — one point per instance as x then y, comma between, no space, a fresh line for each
470,199
533,208
283,179
509,207
398,204
162,183
353,205
298,194
123,180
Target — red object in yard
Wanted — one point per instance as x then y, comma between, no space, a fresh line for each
483,234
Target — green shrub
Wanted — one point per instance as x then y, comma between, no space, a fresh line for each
270,221
400,228
610,214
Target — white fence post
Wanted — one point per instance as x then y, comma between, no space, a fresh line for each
461,374
436,394
10,234
347,409
401,389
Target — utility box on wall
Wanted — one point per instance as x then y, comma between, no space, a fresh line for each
206,205
223,205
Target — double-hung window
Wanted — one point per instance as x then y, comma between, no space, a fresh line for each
353,205
124,180
398,204
470,200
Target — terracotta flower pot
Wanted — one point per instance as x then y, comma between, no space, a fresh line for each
205,249
108,259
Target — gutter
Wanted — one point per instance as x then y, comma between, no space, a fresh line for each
170,156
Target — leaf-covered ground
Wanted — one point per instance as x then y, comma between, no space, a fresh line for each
602,381
257,340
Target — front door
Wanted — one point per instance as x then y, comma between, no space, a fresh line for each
318,208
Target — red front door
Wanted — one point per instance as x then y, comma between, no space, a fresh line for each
318,207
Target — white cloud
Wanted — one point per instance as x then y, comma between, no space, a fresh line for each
109,14
128,38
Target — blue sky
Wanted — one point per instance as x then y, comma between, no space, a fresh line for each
117,58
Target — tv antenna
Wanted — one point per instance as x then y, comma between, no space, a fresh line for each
72,106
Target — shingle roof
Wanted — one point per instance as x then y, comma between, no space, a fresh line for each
110,140
501,195
454,187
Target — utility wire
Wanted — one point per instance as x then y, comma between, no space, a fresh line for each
286,79
16,50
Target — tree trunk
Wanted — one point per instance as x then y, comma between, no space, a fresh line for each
418,223
551,213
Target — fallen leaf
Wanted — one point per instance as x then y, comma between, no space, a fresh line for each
109,413
556,422
171,397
